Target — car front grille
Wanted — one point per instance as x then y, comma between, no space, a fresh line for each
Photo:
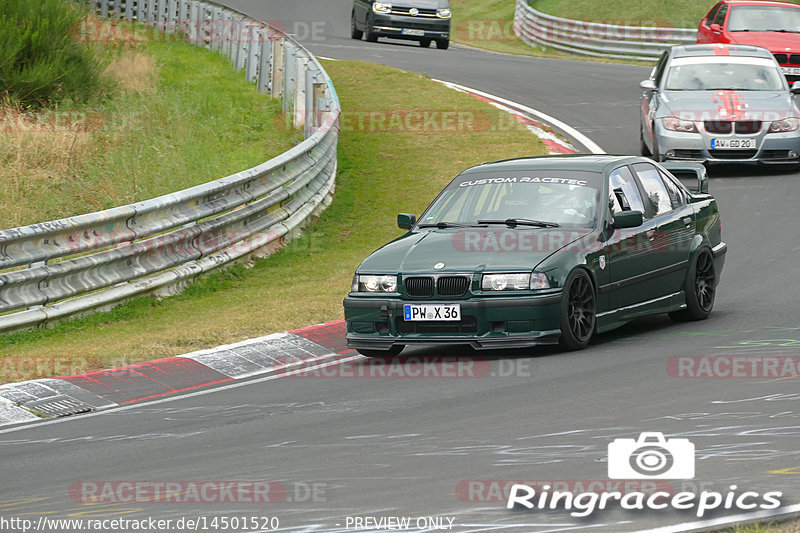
467,324
421,12
794,59
419,286
410,23
782,58
732,154
743,127
452,285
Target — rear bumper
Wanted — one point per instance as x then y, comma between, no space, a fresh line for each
378,323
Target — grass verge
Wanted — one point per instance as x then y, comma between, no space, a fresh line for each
397,150
783,527
155,132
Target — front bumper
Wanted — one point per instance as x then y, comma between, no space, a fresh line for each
396,26
771,148
377,323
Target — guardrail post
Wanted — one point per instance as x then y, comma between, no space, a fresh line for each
299,100
289,85
172,16
266,51
242,44
276,79
150,17
310,81
129,10
254,39
140,10
225,34
104,8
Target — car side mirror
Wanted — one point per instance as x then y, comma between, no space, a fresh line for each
405,220
716,28
648,85
628,219
795,88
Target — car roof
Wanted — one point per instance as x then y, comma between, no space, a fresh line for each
717,49
590,163
771,3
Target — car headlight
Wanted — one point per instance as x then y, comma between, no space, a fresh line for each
677,124
514,282
373,283
787,124
380,7
443,13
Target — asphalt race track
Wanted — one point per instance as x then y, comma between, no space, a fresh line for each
439,447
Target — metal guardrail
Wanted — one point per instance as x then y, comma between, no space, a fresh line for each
75,265
595,39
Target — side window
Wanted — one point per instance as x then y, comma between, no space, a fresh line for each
675,194
624,195
712,14
720,17
656,192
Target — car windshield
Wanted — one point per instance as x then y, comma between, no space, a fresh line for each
565,198
764,18
704,75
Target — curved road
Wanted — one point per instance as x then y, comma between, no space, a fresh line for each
410,447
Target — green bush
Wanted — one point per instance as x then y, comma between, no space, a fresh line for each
39,61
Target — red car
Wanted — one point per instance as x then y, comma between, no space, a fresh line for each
773,25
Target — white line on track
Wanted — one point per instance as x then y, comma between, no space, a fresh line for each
563,126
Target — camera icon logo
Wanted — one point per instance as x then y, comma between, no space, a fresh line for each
651,456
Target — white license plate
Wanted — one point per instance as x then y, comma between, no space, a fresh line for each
417,312
733,144
791,71
413,33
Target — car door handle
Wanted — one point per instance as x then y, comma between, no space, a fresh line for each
687,221
651,234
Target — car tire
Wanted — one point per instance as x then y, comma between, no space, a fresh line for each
355,33
425,43
700,288
391,352
370,35
578,311
656,152
442,44
643,149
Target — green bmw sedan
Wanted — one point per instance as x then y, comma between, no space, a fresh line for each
542,250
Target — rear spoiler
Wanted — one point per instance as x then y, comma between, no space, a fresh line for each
689,171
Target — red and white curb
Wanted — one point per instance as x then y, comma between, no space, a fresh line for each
68,395
539,123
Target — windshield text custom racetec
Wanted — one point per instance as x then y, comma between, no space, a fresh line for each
536,198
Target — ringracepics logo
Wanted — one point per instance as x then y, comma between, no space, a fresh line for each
653,457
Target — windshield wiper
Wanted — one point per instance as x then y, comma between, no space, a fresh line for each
783,31
444,225
521,222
